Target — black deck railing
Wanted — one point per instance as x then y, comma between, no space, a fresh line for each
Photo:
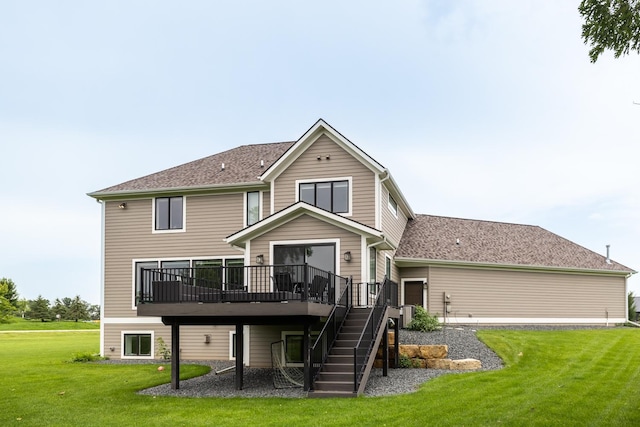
384,298
263,283
366,294
320,349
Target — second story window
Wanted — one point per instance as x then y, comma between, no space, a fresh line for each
169,213
393,206
253,207
331,196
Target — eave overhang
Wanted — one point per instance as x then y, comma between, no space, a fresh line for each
425,262
217,188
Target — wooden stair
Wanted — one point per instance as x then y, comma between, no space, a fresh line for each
336,376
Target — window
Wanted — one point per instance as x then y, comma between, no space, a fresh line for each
293,347
253,207
143,284
331,196
387,267
235,274
393,206
137,345
232,345
372,265
169,213
214,273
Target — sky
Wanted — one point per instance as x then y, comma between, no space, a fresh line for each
480,109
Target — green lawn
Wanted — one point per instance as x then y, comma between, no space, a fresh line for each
19,324
552,378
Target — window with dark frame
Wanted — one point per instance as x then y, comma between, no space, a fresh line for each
169,213
332,196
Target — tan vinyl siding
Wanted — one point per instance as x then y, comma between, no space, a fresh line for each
341,164
128,236
392,227
306,228
522,294
261,339
192,343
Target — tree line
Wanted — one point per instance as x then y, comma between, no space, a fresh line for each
11,305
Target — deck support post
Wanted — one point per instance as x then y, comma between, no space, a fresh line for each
239,356
396,344
306,355
385,350
175,355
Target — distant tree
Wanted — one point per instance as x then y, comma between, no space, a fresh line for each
60,310
11,292
94,312
39,309
631,303
78,309
610,24
21,307
8,300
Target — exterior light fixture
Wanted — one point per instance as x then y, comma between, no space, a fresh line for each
260,259
122,205
347,256
207,338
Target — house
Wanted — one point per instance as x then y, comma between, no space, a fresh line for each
280,243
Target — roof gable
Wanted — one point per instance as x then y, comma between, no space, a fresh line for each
310,136
435,238
296,210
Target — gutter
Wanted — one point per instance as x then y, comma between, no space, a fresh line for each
410,262
175,190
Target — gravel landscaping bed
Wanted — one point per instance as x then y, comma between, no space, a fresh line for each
258,382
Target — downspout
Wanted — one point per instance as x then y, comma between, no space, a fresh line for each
379,207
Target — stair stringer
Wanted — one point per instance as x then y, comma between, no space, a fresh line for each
372,352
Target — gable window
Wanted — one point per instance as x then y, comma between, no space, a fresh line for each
393,206
253,207
169,213
332,196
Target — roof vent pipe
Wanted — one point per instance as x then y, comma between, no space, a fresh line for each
261,163
608,260
222,167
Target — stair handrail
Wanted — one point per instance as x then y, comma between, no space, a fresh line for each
372,323
342,307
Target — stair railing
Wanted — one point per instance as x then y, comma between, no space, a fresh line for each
365,343
327,337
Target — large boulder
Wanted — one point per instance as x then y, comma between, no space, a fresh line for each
434,351
465,364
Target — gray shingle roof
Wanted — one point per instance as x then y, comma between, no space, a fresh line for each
434,238
241,165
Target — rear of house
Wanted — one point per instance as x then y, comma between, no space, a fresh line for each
293,225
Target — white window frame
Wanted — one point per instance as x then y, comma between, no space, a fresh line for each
153,345
184,216
393,207
245,206
317,180
232,335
